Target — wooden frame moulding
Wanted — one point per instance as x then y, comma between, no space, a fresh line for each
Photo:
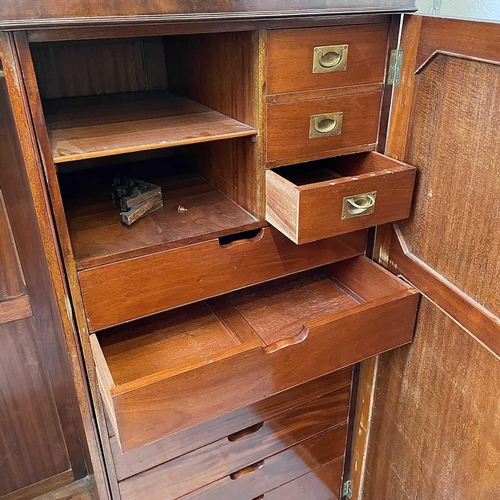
13,75
40,131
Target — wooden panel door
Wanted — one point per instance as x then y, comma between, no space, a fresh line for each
435,430
42,432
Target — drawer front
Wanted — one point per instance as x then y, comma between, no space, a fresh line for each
181,443
265,475
134,288
320,484
331,208
292,128
238,450
292,58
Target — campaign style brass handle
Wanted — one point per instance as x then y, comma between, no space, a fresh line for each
325,125
360,204
330,58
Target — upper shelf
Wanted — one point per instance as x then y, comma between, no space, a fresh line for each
105,125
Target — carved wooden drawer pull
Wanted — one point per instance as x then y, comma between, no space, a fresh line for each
246,432
247,470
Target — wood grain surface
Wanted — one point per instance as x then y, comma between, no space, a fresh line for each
96,126
12,282
40,422
278,469
170,27
210,431
290,57
288,126
306,202
333,341
98,236
436,421
16,13
322,483
435,431
250,259
225,72
79,68
459,145
221,458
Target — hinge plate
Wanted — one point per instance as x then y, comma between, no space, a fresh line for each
347,489
395,66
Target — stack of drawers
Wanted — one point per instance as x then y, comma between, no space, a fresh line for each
322,72
248,453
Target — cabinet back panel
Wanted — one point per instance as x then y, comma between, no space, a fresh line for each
69,69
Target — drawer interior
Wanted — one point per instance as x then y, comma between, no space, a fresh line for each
193,210
326,198
266,316
279,330
341,169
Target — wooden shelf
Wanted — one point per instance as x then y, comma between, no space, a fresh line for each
105,125
98,237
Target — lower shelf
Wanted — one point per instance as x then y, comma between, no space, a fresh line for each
98,237
167,373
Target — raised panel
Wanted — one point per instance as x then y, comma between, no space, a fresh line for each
11,276
32,444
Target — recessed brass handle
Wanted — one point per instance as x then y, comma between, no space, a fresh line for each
359,204
330,58
325,125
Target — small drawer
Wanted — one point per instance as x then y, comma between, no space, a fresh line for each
323,199
130,289
322,58
167,373
322,483
238,450
254,481
312,129
183,442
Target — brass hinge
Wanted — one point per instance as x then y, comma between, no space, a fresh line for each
395,66
347,489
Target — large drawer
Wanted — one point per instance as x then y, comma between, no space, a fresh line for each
265,475
318,200
346,56
164,374
130,289
238,450
318,128
216,429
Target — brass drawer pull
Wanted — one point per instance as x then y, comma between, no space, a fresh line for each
246,432
325,125
330,58
360,204
247,470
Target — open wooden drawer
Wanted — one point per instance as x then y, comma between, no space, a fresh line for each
170,372
312,201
